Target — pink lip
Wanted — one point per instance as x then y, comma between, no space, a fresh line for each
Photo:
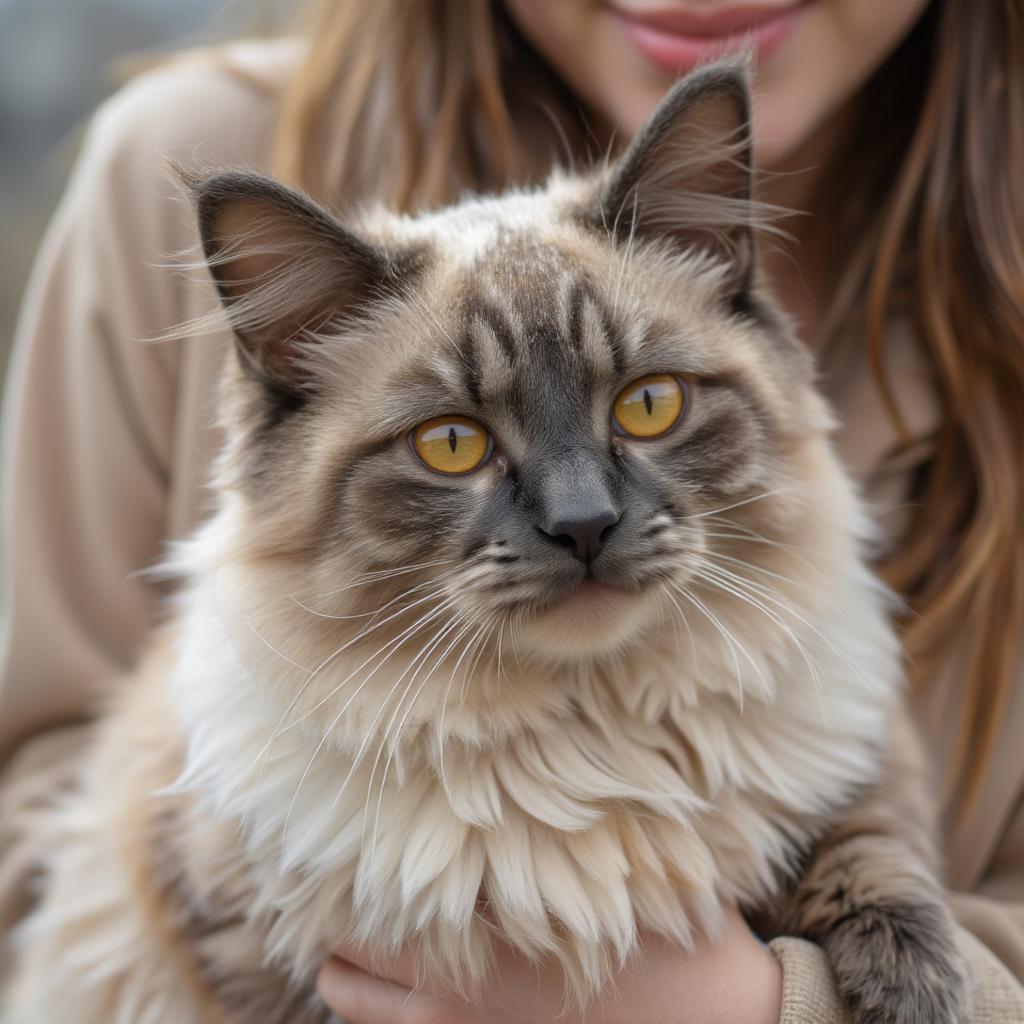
677,40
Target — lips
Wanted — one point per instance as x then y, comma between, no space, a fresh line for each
678,40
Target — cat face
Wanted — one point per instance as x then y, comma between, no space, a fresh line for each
561,452
537,420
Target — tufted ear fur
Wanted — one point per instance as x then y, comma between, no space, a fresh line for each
687,176
285,269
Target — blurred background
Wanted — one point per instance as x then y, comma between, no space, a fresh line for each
58,59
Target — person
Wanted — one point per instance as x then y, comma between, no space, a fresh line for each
896,125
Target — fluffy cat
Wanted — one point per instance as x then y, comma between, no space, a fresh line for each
535,603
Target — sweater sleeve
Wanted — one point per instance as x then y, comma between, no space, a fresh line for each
86,441
87,428
98,422
809,994
994,910
101,459
99,416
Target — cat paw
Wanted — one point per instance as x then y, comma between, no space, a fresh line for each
898,963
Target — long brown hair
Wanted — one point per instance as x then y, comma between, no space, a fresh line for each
414,102
945,248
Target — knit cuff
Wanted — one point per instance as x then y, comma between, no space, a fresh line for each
809,993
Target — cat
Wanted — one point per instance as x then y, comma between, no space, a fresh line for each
535,603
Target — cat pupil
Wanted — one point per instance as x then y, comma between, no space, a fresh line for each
452,439
648,402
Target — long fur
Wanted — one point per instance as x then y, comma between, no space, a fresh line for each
380,714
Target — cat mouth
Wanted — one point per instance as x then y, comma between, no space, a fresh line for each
587,618
591,602
591,592
590,595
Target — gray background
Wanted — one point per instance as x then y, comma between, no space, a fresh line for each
58,59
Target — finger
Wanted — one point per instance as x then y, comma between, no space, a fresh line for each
362,998
400,969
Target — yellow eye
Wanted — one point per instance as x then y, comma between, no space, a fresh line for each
650,406
451,444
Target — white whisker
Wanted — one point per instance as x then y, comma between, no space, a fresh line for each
444,707
817,678
401,728
283,725
726,635
675,606
383,607
769,595
740,504
334,723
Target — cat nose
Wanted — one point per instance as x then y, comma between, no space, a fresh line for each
584,536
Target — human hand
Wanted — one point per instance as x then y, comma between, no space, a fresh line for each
735,979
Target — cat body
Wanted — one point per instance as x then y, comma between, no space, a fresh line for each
603,680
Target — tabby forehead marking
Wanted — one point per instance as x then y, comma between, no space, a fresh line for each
545,332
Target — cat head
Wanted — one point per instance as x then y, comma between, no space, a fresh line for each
551,425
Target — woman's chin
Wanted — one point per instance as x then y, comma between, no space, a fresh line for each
591,621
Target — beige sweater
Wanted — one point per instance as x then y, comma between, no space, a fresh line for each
108,437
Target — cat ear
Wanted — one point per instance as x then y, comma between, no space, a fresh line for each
284,267
687,176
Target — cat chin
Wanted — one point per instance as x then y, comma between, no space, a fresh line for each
592,622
